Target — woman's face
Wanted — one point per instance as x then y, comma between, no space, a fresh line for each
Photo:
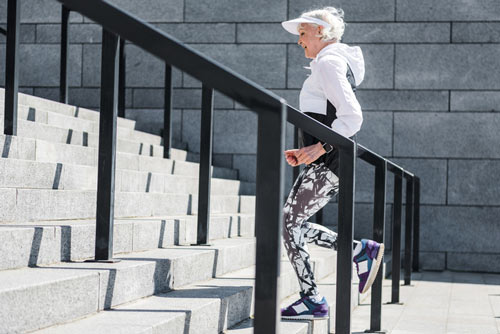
308,40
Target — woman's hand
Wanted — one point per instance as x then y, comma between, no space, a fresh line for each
305,155
291,158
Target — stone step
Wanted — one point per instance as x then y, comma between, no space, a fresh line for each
50,120
182,167
44,151
205,307
327,287
61,108
21,205
34,298
55,134
49,175
38,115
28,244
285,326
77,118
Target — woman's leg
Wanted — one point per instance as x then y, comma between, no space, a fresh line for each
319,235
312,190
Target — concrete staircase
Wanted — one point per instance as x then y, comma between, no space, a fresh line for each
48,180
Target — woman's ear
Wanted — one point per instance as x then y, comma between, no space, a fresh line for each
320,28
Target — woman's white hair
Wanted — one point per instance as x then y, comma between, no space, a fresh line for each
331,15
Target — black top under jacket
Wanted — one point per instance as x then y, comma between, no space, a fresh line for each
331,160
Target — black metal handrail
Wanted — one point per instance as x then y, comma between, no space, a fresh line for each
272,113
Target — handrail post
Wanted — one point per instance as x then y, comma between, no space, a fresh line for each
12,68
378,236
296,170
408,229
416,225
63,77
319,217
167,112
207,110
122,80
268,217
347,166
396,236
107,147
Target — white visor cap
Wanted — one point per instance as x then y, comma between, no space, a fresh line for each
292,25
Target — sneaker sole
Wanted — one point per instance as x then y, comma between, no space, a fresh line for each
304,317
374,269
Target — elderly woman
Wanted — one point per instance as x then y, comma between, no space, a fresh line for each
327,95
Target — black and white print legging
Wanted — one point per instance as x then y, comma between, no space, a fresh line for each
312,190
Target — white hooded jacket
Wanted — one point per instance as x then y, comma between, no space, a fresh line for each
328,81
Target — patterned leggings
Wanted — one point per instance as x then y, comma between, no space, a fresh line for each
312,190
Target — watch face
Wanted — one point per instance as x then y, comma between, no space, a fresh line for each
328,148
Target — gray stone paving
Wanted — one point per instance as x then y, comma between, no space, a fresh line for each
428,103
438,303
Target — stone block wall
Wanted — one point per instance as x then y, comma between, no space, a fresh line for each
431,96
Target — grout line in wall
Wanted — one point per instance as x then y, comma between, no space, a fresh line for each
394,67
181,124
36,35
447,174
449,100
395,10
393,117
358,90
451,32
236,34
286,68
132,90
408,43
81,70
460,205
352,22
445,158
184,11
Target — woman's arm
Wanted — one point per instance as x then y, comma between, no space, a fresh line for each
304,155
332,72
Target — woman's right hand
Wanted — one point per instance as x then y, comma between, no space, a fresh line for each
291,159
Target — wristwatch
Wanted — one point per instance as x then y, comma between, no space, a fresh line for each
328,148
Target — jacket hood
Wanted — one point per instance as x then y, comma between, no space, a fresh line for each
351,54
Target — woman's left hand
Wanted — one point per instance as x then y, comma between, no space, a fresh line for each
308,154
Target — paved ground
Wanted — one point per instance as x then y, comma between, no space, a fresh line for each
439,302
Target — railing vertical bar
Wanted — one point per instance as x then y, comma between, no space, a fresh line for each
268,218
378,236
347,166
63,78
408,229
207,109
296,170
107,147
167,112
396,237
416,225
122,80
319,217
12,68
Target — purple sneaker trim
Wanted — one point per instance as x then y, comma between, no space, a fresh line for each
371,257
309,309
